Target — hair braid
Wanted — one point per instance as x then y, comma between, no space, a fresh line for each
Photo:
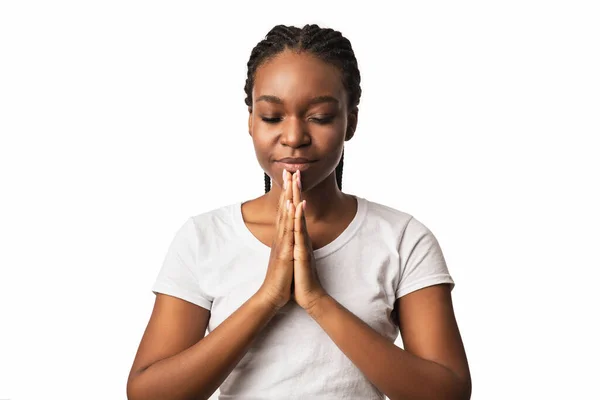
338,171
267,183
325,43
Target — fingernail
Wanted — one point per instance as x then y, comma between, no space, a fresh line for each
303,205
284,184
298,180
283,174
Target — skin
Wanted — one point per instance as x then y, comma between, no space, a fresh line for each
176,361
296,79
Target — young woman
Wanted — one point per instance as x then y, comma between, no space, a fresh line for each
304,289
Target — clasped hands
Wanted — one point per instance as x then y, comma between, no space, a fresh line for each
306,286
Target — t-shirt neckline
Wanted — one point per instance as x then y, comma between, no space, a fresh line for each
336,244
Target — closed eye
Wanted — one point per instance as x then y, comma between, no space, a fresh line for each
271,120
319,120
323,119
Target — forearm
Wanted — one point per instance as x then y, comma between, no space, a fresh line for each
198,371
399,374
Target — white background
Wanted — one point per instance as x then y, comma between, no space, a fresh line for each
120,119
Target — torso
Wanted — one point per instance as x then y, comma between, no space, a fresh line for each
320,234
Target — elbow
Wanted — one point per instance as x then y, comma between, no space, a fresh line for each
134,389
142,387
461,389
460,386
455,389
467,388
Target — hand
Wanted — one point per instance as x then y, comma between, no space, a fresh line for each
277,286
307,287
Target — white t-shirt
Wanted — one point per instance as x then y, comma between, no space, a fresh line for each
214,261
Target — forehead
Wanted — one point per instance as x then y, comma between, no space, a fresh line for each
298,77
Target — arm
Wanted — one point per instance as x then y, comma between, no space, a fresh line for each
433,364
175,361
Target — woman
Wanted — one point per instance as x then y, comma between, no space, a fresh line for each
304,289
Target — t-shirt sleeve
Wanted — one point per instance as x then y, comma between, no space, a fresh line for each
422,262
178,274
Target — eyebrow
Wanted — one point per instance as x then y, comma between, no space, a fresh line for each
315,100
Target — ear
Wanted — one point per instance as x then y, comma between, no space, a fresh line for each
250,121
352,122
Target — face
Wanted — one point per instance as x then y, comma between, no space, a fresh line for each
299,110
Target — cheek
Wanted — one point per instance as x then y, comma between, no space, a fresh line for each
262,148
330,136
263,139
336,132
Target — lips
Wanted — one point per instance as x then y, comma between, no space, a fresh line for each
290,160
295,164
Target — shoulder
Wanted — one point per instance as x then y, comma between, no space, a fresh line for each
216,216
397,228
212,226
378,210
395,219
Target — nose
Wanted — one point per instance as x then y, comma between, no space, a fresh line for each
294,133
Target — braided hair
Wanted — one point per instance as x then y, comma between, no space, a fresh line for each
327,44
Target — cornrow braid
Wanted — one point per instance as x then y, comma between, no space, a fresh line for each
338,171
327,44
267,183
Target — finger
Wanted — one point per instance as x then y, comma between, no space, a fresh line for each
289,228
281,211
296,188
301,239
286,195
283,171
289,188
285,238
305,228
